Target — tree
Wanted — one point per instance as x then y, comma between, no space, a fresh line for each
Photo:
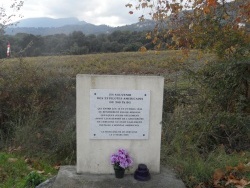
55,44
218,26
195,21
6,20
220,115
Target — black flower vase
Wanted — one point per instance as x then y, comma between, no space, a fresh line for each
119,172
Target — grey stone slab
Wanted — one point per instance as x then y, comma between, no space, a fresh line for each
68,178
48,183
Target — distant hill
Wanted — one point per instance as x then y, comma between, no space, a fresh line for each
48,22
49,26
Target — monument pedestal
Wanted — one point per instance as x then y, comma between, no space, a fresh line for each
118,111
68,178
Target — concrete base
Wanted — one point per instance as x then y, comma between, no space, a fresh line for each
68,178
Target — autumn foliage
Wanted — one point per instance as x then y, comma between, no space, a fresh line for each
191,22
220,28
231,176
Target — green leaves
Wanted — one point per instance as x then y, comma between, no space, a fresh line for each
33,179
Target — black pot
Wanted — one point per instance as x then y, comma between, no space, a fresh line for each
119,172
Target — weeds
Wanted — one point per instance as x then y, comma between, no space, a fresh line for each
22,172
33,179
197,144
37,114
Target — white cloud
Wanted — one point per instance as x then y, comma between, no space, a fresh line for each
109,12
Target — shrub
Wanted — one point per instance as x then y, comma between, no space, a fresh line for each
225,84
197,143
37,109
33,179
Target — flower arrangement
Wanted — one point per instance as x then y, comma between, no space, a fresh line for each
121,159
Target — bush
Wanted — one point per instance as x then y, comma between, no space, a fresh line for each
188,127
33,179
37,110
198,143
225,84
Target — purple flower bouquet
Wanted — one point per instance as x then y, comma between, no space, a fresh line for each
121,159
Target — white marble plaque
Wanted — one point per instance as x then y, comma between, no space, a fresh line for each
119,114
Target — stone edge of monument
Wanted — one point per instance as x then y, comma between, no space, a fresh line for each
68,178
107,147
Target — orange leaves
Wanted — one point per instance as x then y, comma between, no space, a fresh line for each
241,167
245,11
217,176
231,176
206,10
212,3
238,183
238,20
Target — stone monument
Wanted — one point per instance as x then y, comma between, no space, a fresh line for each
118,111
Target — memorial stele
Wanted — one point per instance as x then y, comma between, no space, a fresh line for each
118,111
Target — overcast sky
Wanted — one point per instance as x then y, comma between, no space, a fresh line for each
109,12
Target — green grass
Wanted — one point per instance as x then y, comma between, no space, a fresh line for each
37,96
14,170
147,63
193,169
196,144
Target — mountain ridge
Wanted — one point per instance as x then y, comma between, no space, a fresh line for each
48,26
48,22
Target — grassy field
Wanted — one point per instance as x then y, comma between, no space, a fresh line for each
37,117
20,172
